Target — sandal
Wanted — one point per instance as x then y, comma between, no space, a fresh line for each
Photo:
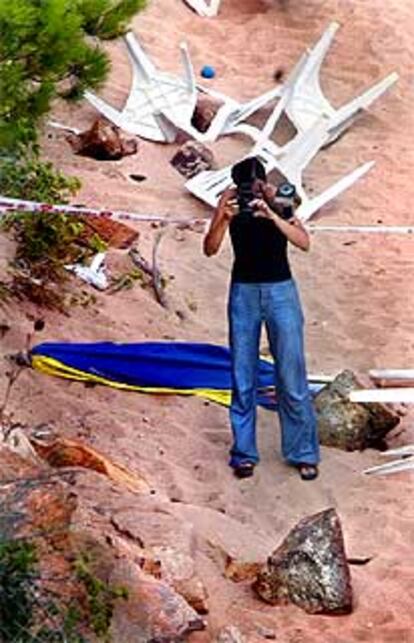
244,470
308,471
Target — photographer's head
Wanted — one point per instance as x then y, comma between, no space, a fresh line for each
248,171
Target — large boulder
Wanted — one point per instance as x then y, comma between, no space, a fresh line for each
348,425
309,568
192,158
102,141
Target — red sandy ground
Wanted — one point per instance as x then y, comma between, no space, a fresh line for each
357,293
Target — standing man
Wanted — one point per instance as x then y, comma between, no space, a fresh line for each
261,223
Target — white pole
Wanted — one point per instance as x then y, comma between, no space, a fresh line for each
384,395
361,228
392,374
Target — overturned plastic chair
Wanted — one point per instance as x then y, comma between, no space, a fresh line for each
161,105
308,103
153,94
290,161
204,8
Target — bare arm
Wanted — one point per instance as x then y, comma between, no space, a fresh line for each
292,228
225,211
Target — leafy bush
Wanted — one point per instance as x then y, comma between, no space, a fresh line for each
45,53
17,565
106,18
30,612
100,596
45,241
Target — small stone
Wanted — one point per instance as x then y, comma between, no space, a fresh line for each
192,158
138,177
266,633
239,571
309,568
230,634
204,113
39,325
4,329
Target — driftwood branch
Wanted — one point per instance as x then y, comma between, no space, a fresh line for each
153,270
157,277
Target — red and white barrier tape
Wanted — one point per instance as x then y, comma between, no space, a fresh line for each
9,205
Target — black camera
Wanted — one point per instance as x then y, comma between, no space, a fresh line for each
246,175
285,200
245,196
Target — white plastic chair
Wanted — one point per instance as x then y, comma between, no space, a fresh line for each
204,8
290,160
308,103
153,94
160,105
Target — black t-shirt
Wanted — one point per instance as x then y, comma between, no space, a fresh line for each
260,250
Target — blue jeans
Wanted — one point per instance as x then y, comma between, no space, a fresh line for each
276,304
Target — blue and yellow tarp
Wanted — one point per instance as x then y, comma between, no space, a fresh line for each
150,367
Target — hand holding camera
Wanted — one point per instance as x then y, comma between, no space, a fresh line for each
282,203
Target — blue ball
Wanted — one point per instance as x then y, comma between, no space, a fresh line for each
208,72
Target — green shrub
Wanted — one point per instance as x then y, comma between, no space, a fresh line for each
106,18
46,241
45,53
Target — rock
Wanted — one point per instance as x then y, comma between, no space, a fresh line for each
205,111
266,633
310,568
102,142
177,569
230,634
239,570
348,425
172,563
62,452
114,233
192,158
152,612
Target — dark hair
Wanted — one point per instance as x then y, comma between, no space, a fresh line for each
246,171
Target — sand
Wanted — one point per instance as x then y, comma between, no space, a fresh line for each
356,290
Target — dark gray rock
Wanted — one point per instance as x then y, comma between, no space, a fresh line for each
192,158
348,425
205,111
309,568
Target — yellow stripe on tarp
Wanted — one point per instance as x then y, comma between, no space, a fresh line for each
51,366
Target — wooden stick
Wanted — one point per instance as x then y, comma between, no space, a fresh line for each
152,271
156,274
384,395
